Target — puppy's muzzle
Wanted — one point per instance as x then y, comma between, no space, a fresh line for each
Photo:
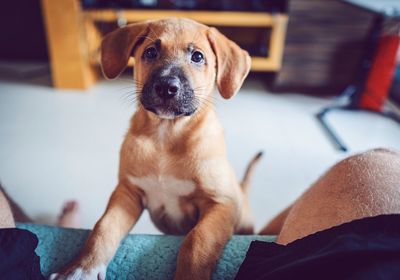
167,87
169,95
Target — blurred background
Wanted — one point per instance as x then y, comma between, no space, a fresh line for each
325,84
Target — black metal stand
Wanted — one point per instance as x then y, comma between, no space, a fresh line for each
337,142
333,136
354,91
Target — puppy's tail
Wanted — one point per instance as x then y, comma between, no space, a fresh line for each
249,171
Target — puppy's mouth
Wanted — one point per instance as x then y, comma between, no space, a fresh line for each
169,110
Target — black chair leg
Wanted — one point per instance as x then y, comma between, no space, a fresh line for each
338,143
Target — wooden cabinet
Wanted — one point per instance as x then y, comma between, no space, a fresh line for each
325,44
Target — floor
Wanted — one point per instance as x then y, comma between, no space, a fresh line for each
61,144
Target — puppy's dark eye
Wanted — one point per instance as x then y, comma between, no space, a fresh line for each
150,53
197,57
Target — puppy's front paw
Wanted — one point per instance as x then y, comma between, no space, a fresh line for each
79,273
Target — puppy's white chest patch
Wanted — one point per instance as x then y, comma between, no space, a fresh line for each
163,191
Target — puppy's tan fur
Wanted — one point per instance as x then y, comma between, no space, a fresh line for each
185,156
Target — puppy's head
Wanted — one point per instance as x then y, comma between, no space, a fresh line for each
177,62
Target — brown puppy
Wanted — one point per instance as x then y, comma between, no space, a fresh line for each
173,160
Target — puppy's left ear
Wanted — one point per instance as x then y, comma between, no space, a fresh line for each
233,63
117,47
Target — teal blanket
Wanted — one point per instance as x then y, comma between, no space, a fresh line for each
138,257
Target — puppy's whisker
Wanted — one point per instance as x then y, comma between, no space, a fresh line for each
203,93
124,88
208,98
199,90
130,96
131,90
127,93
132,83
202,86
203,104
205,97
128,102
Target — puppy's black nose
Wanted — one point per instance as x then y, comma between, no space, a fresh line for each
167,87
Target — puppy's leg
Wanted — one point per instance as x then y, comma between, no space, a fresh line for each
123,210
204,244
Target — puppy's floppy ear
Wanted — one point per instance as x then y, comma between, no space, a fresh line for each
117,47
233,63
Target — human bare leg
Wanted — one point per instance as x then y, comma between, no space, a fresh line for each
18,213
6,216
363,185
70,215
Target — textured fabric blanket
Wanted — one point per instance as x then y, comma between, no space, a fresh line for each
138,257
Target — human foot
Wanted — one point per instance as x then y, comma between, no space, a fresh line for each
70,215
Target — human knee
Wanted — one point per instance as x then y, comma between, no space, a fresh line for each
382,151
367,170
370,158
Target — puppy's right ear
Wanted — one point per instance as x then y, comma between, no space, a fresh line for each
117,47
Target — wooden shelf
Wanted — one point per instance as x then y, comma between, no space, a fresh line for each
262,64
277,24
217,18
259,64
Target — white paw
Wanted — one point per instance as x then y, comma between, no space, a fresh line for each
96,273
